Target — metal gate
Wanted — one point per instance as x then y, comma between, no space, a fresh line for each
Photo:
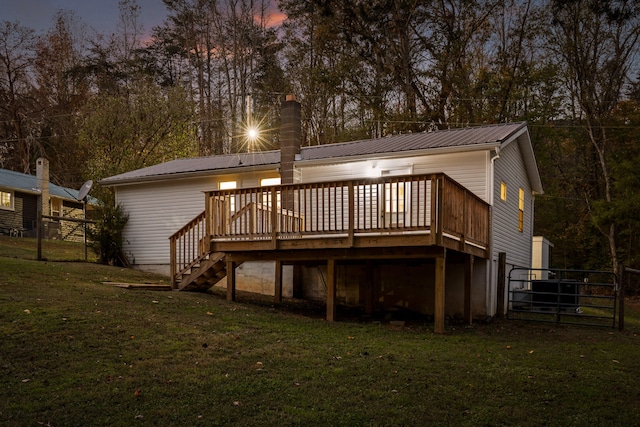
582,297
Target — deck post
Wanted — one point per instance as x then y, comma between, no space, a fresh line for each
173,261
438,311
331,290
468,279
368,288
274,217
278,282
208,224
351,208
231,281
437,195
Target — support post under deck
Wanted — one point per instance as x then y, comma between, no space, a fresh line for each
331,290
439,298
278,282
369,288
231,281
468,278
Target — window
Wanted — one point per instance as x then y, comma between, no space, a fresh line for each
521,210
269,181
503,191
6,200
396,201
266,196
397,196
56,207
229,185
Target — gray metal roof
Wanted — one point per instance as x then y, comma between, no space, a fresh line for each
197,166
413,142
491,135
26,183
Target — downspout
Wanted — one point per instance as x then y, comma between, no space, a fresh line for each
492,271
492,172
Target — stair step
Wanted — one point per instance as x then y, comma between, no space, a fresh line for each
205,274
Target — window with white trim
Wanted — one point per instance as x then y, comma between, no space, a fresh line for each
229,185
6,200
397,196
266,196
269,181
395,193
521,210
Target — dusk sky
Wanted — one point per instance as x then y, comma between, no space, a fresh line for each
101,16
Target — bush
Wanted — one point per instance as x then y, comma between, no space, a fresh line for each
106,235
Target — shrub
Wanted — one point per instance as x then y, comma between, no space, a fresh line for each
106,235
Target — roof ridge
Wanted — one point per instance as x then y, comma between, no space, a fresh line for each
346,143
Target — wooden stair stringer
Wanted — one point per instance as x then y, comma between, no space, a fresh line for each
209,272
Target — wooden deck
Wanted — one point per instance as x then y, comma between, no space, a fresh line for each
404,217
421,210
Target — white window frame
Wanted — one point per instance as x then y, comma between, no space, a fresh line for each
229,185
396,196
521,210
503,191
11,196
266,196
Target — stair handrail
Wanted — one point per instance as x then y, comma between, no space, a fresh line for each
188,246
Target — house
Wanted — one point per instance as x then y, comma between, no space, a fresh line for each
418,221
19,195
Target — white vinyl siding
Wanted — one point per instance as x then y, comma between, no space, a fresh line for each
157,210
469,169
509,169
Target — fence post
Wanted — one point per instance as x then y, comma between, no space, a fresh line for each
173,260
39,235
502,276
620,291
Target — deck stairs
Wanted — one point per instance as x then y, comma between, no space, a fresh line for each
204,273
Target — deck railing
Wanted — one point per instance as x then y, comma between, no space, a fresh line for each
188,245
432,203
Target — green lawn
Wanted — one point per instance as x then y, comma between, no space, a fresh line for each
76,352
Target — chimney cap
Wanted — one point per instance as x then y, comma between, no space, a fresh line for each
290,97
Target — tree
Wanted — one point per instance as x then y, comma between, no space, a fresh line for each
126,132
597,41
218,46
322,72
17,106
61,93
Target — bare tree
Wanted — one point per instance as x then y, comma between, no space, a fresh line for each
597,41
220,41
16,98
60,94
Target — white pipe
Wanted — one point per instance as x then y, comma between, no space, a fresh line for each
490,294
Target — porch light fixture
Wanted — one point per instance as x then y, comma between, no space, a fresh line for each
373,171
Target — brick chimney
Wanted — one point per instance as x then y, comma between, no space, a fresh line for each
290,137
42,184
